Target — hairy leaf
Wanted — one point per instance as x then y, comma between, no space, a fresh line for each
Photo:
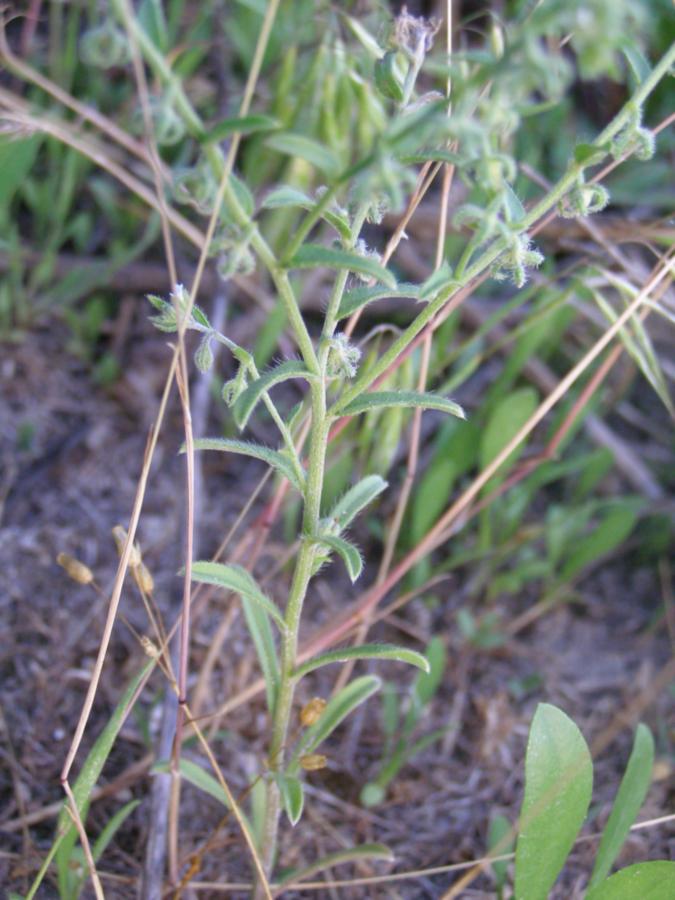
356,499
240,125
249,399
237,579
273,458
379,399
297,145
349,553
362,296
292,796
313,256
364,651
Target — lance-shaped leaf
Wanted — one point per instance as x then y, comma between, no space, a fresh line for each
643,881
364,651
354,854
286,196
292,796
250,398
379,399
558,784
361,296
240,125
313,256
237,579
349,553
299,146
629,798
273,458
258,609
356,499
338,708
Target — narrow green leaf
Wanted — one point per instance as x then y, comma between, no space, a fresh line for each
609,533
378,399
111,827
150,17
16,159
515,208
362,296
292,796
250,398
558,784
638,63
258,609
440,155
313,256
273,458
428,683
629,798
286,196
240,125
198,777
297,145
89,775
364,651
237,579
355,854
356,499
589,154
643,881
506,420
338,708
349,553
500,843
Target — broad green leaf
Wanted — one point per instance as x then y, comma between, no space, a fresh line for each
349,553
286,196
297,145
355,854
314,256
364,651
258,609
607,535
643,881
505,422
292,796
338,708
558,784
237,579
249,399
240,125
91,770
424,400
273,458
630,797
16,159
356,499
362,296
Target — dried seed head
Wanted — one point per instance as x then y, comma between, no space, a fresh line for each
310,762
120,537
149,647
75,569
311,712
143,578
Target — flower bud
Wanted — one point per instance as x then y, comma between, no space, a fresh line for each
310,762
75,569
120,537
143,578
311,712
